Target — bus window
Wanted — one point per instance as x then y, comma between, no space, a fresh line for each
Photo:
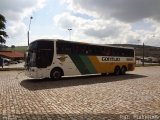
63,47
33,46
44,58
45,45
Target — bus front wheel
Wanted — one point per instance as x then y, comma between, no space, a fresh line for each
56,74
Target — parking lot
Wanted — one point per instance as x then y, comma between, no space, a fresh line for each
91,97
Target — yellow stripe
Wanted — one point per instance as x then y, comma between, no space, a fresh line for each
100,67
95,63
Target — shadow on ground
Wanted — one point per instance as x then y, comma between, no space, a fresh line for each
39,84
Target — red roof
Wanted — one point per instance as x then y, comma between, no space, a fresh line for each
11,54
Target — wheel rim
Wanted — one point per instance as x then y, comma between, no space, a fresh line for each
56,75
123,70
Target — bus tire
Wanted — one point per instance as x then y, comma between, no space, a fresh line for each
123,70
56,74
117,70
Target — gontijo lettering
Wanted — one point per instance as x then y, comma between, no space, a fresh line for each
110,59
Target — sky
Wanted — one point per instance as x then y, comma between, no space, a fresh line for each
91,21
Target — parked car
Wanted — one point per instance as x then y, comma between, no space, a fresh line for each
13,62
6,61
20,61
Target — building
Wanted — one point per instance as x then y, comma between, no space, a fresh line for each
13,55
149,51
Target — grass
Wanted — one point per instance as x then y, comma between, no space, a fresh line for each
18,48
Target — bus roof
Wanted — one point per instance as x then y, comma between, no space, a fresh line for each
104,45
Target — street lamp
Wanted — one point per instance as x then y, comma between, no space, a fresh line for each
29,28
69,33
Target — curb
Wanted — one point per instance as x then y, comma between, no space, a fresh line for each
147,65
11,69
20,69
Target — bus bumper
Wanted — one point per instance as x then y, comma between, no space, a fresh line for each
31,72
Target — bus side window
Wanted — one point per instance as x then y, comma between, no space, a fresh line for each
83,50
66,48
87,50
77,49
59,48
125,53
118,51
107,52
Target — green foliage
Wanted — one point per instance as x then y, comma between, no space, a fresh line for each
13,46
18,48
3,34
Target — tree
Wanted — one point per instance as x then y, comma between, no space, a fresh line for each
13,46
3,34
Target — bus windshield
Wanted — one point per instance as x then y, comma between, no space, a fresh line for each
40,54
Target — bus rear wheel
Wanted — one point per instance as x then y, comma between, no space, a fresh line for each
117,70
123,70
56,74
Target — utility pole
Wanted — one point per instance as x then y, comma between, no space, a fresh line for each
143,55
29,29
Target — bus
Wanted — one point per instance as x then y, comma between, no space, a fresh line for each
54,58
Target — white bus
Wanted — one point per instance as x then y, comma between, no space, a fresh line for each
53,58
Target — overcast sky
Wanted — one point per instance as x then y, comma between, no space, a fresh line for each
92,21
